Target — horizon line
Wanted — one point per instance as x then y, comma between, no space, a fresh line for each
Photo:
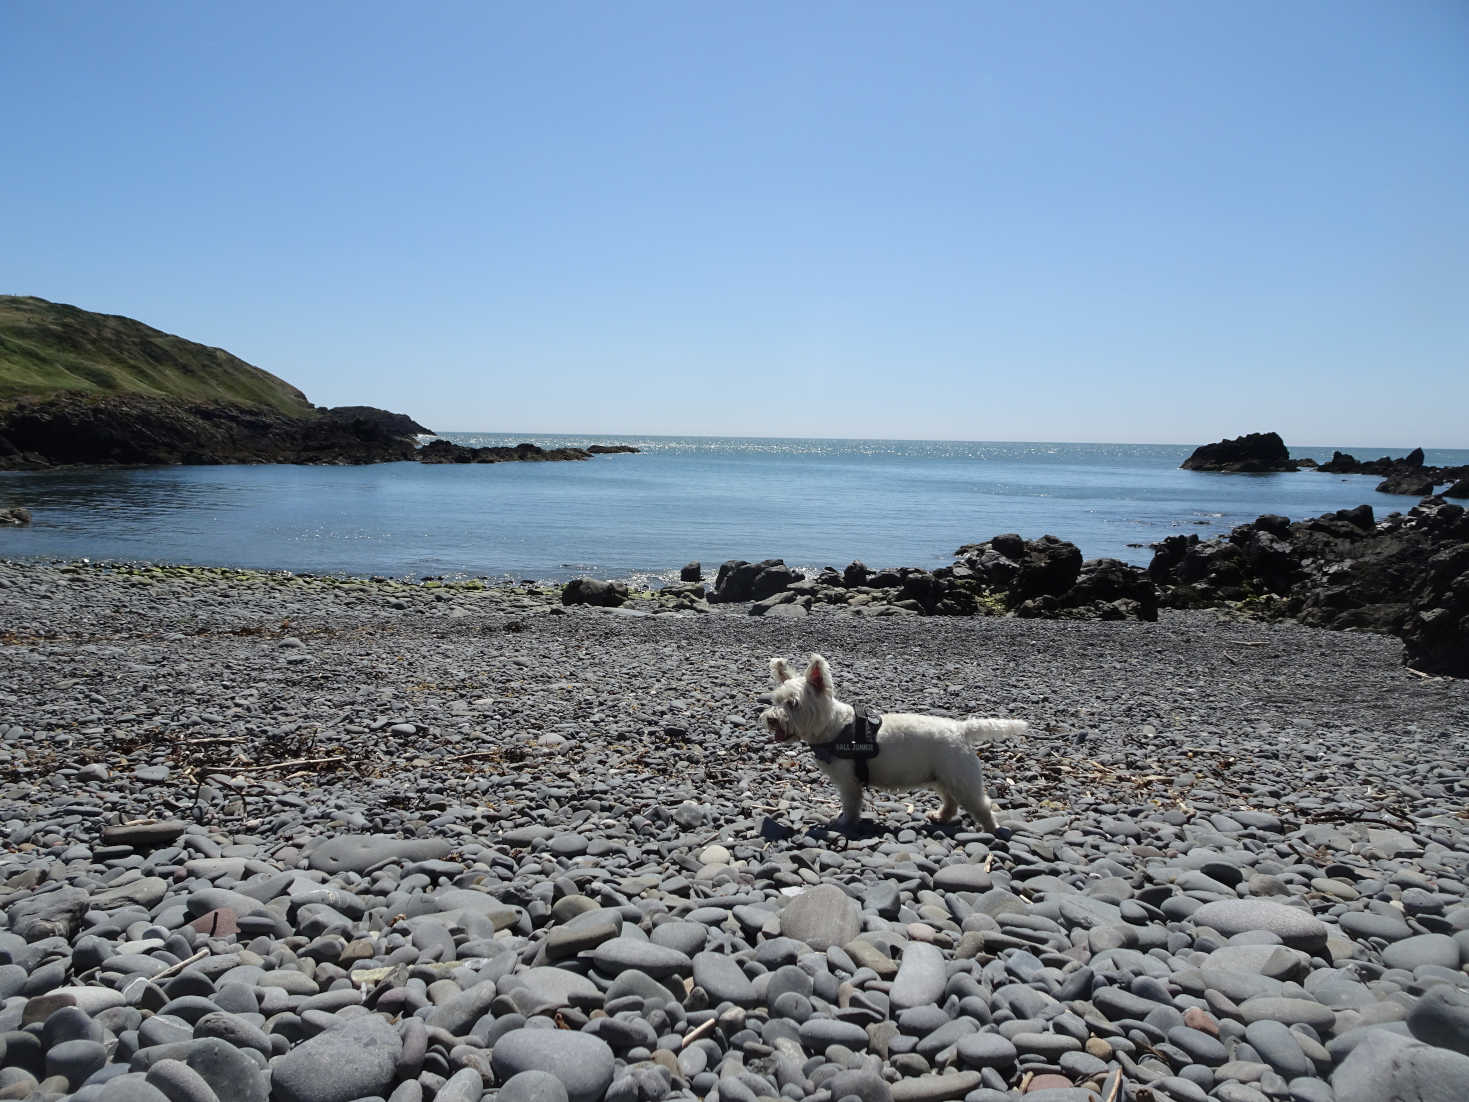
913,439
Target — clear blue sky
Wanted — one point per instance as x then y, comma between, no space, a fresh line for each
1111,221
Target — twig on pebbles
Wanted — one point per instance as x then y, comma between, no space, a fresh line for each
1116,1085
180,966
1418,673
274,765
704,1027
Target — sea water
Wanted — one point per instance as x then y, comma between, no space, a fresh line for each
640,516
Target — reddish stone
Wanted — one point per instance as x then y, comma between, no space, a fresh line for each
217,923
1201,1020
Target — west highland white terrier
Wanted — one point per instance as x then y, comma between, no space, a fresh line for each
910,751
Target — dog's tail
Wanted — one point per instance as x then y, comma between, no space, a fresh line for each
981,731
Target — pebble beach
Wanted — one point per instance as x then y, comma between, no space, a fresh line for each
320,839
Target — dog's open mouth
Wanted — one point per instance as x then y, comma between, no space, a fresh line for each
777,732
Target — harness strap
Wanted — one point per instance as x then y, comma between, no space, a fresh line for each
856,742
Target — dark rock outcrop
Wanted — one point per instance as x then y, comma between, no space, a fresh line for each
393,424
692,572
137,430
1023,570
1436,627
18,516
738,580
612,449
594,591
1253,453
1407,474
1458,489
1413,483
1404,576
445,451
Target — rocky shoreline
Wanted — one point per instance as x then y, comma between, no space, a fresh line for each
1406,575
320,839
1266,453
131,430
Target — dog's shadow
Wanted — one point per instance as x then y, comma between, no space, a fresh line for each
839,836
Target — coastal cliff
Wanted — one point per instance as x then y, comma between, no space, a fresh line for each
83,388
79,387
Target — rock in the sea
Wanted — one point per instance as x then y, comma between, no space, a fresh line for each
17,515
1411,483
1253,453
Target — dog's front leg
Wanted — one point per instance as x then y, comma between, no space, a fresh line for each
850,792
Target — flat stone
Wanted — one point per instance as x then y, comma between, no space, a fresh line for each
822,916
144,835
1277,1046
537,990
1297,928
1373,924
921,977
360,852
622,953
1421,949
1275,962
986,1050
1290,1011
724,980
935,1088
962,877
819,1034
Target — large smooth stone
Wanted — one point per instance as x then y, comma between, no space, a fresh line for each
724,980
582,1062
921,977
1441,1017
1388,1066
356,1061
622,953
359,852
1412,952
1297,928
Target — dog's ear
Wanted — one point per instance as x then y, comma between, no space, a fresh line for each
780,671
818,675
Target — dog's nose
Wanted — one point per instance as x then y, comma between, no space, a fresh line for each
765,698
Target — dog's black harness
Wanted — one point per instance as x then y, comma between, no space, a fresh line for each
856,741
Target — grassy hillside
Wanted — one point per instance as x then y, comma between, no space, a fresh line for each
47,348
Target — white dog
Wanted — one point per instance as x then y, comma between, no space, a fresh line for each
912,750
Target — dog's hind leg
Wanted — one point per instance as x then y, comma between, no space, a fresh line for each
946,811
966,787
